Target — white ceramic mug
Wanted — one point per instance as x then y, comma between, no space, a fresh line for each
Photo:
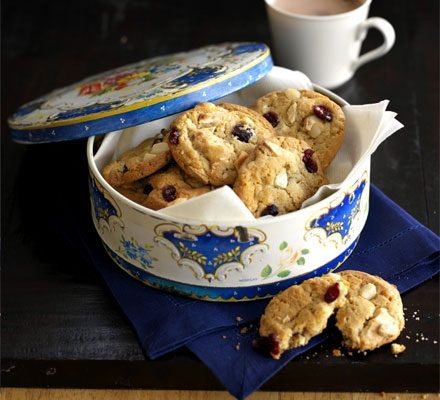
326,48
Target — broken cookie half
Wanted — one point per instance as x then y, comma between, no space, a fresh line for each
373,313
301,312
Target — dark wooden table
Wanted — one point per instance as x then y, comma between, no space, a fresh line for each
60,327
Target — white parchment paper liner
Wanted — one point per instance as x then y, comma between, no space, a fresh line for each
367,126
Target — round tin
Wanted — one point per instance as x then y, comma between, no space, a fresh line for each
229,262
210,261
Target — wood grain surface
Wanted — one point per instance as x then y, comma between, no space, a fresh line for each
72,394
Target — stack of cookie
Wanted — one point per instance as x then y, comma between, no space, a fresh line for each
273,154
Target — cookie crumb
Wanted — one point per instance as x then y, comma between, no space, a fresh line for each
224,337
238,319
237,346
336,353
244,330
350,353
397,348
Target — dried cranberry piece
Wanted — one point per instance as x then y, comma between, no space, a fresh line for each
272,118
169,193
323,113
271,209
173,137
332,293
147,188
309,153
242,132
309,162
274,345
267,344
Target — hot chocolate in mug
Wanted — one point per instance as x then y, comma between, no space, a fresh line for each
323,38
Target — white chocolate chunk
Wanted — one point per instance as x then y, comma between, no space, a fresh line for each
315,131
387,324
381,324
368,291
148,157
293,94
310,121
161,147
277,150
281,180
291,113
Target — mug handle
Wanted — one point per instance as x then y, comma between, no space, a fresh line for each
389,36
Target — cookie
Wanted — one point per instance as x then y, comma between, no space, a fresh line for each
145,159
279,176
297,314
136,191
305,115
373,313
207,140
163,189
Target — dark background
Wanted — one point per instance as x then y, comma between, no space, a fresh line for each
54,306
50,44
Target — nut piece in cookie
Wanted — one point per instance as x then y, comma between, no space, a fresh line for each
145,159
305,115
301,312
207,140
163,189
279,176
373,313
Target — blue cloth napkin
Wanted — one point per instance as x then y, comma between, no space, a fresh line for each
393,245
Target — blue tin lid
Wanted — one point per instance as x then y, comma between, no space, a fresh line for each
137,93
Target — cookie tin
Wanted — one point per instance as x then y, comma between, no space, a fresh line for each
232,261
218,262
137,93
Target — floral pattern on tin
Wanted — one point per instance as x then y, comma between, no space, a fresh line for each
211,252
131,249
289,257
